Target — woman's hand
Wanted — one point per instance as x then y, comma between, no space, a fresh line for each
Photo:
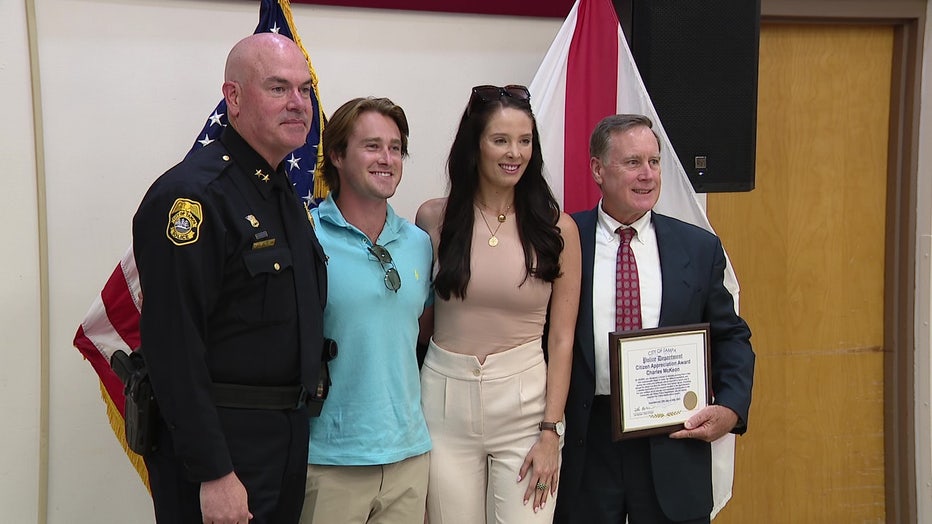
543,462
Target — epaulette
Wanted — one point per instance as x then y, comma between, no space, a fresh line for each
213,158
201,167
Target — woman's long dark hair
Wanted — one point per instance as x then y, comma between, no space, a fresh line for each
536,210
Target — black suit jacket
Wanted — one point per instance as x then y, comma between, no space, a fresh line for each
692,265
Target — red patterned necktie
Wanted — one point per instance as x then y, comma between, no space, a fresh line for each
627,289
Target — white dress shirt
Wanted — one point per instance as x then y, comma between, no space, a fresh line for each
647,256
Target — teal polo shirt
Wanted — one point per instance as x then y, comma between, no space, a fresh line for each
373,412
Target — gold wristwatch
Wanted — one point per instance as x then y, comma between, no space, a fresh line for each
556,427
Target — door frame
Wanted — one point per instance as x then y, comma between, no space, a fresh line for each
907,17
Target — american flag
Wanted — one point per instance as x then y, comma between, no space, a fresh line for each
112,322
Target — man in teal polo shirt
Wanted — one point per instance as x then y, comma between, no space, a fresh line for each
368,459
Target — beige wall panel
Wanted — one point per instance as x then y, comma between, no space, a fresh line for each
20,293
808,248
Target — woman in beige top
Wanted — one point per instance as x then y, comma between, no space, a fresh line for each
507,257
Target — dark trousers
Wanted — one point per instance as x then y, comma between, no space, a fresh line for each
617,480
269,452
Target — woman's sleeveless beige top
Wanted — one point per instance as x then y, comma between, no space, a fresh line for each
502,309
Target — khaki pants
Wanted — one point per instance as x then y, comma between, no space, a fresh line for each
483,421
386,494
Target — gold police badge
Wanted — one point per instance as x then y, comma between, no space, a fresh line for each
184,222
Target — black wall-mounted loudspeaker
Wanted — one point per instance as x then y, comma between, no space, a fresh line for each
698,60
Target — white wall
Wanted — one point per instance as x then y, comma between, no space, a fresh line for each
19,278
126,85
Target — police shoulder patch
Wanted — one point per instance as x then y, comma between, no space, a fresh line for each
184,222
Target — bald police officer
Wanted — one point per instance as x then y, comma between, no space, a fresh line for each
234,286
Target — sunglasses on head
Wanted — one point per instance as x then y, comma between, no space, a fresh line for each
392,278
488,93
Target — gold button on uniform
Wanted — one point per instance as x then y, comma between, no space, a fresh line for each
277,266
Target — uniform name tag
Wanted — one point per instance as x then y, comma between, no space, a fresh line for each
264,243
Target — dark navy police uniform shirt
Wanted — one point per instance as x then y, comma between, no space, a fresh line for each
219,294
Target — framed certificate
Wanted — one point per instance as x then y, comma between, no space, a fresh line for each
660,378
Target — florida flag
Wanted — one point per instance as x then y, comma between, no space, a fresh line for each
588,74
112,322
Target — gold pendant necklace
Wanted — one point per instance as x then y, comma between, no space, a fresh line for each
493,240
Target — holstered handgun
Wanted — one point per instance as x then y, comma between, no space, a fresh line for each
141,412
315,399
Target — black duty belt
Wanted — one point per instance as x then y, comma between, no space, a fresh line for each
259,397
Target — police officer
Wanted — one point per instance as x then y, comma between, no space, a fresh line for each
234,286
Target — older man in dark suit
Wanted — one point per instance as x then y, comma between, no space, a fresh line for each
680,272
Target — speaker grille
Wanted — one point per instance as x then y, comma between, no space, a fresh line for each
699,59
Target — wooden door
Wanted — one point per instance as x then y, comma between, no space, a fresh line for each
808,248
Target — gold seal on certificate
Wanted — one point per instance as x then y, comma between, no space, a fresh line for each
690,400
660,378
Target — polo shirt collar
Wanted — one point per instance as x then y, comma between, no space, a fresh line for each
329,212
